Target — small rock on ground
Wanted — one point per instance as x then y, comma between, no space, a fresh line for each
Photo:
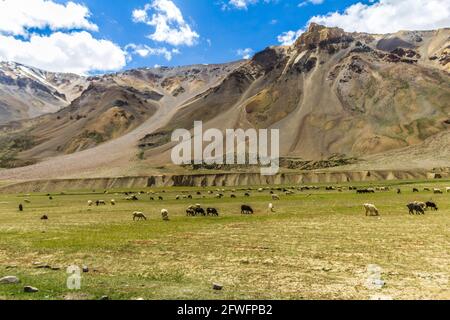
9,280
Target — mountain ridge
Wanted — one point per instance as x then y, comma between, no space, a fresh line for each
331,92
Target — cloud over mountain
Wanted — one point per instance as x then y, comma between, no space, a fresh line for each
168,23
386,16
69,47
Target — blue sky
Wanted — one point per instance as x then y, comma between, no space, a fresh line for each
95,36
223,32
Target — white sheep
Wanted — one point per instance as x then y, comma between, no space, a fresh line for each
275,197
90,203
271,207
448,189
113,202
165,214
371,210
437,191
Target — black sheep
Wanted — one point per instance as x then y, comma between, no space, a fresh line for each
246,209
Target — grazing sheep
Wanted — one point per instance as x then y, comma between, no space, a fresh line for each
177,197
399,191
160,198
364,191
190,212
20,207
247,194
415,208
165,214
139,216
431,205
447,189
44,217
271,207
212,212
415,190
437,191
90,203
275,197
113,202
27,201
200,211
100,202
423,205
371,210
233,196
246,209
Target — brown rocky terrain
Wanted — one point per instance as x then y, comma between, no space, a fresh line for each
27,92
376,98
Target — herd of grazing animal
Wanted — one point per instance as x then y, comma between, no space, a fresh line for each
197,210
414,208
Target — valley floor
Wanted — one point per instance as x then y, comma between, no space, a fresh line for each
317,245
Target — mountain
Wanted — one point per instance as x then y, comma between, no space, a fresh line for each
332,94
27,92
110,107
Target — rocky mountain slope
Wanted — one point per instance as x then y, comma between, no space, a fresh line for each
335,93
27,92
332,93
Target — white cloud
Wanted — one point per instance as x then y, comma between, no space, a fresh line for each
168,21
243,4
288,38
76,52
388,16
145,51
17,16
245,53
314,2
68,48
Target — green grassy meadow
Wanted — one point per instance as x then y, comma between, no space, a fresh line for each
317,245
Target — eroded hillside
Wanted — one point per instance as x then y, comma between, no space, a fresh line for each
332,94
